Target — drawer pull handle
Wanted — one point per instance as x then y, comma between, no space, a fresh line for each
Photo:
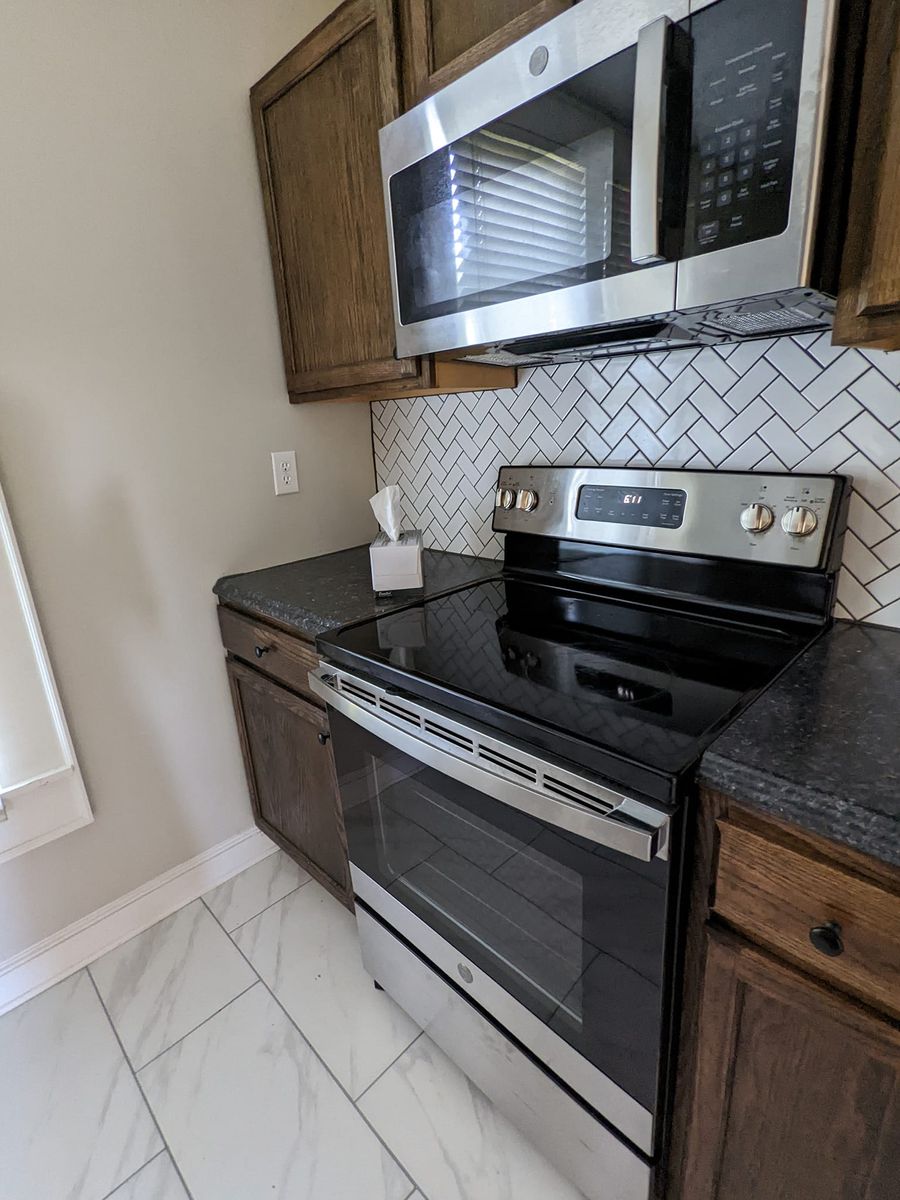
259,651
323,738
827,939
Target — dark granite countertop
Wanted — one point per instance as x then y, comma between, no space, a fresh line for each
821,747
314,595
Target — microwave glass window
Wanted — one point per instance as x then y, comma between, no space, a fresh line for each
533,202
746,89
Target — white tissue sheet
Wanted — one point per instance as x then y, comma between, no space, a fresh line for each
386,507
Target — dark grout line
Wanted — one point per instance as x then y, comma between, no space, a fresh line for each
128,1179
140,1088
325,1065
232,932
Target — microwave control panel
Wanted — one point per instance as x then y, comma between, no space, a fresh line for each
746,79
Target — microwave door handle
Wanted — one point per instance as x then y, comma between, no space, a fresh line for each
647,150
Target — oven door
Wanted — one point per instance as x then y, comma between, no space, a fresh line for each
540,192
548,911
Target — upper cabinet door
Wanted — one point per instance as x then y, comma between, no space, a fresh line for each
868,310
442,39
316,117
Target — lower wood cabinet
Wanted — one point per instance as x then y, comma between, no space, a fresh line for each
797,1089
293,789
788,1084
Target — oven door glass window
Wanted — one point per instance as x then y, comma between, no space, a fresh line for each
571,930
533,202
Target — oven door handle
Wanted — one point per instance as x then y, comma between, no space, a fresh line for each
647,141
631,827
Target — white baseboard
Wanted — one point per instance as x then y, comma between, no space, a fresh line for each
49,961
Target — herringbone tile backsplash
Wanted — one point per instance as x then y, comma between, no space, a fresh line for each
792,404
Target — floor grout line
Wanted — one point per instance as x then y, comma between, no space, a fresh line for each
199,1025
128,1179
292,892
380,1074
140,1088
325,1065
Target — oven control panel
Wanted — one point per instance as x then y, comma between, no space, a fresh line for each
779,519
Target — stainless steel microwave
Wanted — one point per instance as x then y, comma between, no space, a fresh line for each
634,174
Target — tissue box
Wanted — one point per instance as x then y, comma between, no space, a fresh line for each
397,566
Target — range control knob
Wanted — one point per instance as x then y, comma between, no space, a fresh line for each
757,518
506,498
799,521
527,500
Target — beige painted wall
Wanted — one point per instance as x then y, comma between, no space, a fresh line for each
141,391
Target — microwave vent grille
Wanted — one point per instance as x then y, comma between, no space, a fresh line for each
772,320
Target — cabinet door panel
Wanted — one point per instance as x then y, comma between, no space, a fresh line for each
443,39
316,118
796,1090
291,776
868,308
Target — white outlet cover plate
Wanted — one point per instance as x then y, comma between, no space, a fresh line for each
284,470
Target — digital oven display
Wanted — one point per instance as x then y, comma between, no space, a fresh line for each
662,508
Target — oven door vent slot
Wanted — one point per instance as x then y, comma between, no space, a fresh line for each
397,710
449,735
507,763
568,791
357,692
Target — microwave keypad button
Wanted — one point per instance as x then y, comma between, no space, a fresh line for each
707,185
743,192
727,158
726,179
708,165
728,140
748,133
709,145
746,153
708,232
769,165
723,198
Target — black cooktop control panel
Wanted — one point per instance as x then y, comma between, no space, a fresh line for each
746,85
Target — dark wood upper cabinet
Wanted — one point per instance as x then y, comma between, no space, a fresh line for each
868,310
797,1090
290,772
316,117
442,39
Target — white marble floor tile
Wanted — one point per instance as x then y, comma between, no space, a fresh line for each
163,983
73,1123
306,948
240,898
450,1137
157,1181
250,1113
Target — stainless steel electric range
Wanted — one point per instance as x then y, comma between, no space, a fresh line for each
515,762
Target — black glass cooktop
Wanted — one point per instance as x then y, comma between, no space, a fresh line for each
591,678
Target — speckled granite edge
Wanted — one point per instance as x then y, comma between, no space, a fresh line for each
839,820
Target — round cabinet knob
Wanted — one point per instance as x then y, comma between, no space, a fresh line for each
506,498
527,500
827,939
799,521
757,518
323,737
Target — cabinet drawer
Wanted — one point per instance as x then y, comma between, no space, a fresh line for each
287,659
777,895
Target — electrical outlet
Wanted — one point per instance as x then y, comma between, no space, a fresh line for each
284,468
